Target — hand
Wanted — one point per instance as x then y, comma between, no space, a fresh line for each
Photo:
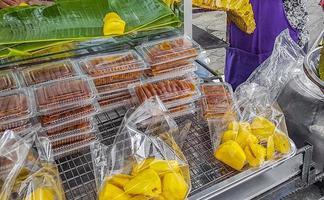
7,3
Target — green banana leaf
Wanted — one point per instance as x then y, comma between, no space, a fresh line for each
80,19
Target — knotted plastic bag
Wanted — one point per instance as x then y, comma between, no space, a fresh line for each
258,135
27,170
144,162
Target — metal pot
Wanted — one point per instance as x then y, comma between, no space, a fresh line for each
302,102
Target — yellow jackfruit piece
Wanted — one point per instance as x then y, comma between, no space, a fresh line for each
163,166
262,127
147,183
139,197
281,142
119,180
232,154
42,194
174,186
243,134
140,166
229,135
112,192
113,24
270,148
233,125
255,154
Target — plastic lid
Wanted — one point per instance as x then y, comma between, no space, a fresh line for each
8,81
169,50
63,93
181,69
47,72
15,105
112,64
115,87
115,100
130,76
171,90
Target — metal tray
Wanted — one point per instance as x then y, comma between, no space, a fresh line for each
208,176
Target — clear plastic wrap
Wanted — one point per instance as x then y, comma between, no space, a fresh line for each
26,173
257,135
47,72
144,162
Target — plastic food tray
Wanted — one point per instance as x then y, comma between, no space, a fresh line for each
8,81
16,126
64,117
76,169
179,68
47,72
165,51
218,100
115,87
77,126
15,105
171,90
62,94
114,100
112,68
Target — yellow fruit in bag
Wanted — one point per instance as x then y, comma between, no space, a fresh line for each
270,148
281,142
174,186
163,166
233,125
146,183
119,180
159,198
112,192
140,166
42,194
113,24
255,154
243,134
262,127
232,154
229,135
139,197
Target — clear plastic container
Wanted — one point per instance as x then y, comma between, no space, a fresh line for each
17,126
115,87
47,72
182,110
115,100
183,68
171,90
8,81
218,100
63,94
72,128
15,105
60,118
169,50
112,68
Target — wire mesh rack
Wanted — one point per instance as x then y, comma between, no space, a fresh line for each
76,170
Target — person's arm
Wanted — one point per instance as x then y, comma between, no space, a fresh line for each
7,3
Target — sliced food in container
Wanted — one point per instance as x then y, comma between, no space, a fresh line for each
169,50
85,124
17,126
62,94
62,117
115,87
112,68
42,73
115,100
8,81
15,105
177,67
171,90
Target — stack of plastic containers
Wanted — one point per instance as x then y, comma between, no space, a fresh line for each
171,74
174,55
65,103
111,75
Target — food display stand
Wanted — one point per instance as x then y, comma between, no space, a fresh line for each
210,178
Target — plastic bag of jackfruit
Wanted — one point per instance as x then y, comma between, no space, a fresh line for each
27,170
144,161
258,135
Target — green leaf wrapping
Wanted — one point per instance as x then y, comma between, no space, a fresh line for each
80,19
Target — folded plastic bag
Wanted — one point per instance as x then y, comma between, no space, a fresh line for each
258,134
28,173
144,162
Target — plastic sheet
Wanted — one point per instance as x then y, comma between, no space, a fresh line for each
258,133
26,173
144,160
